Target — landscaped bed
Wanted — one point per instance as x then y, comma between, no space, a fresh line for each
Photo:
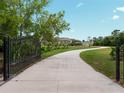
102,62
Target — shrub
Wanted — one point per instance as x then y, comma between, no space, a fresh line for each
113,53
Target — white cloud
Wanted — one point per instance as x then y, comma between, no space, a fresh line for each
79,5
115,17
120,9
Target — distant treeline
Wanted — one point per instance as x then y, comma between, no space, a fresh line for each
110,40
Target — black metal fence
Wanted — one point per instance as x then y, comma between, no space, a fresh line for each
19,53
120,64
1,56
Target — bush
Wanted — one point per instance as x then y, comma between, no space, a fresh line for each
1,45
113,53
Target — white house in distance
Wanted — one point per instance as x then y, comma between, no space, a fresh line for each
68,41
64,40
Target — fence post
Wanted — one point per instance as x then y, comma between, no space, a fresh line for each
123,63
6,58
117,60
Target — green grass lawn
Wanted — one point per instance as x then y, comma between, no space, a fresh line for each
102,62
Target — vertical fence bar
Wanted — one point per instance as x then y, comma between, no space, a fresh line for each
8,63
117,60
6,58
39,49
123,65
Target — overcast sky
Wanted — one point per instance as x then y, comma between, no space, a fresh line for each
90,17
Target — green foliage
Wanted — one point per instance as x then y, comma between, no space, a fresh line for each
121,38
50,25
110,40
28,17
98,41
113,53
76,42
1,42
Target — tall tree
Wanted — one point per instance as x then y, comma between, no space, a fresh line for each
51,25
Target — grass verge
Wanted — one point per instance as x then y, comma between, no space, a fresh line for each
57,51
102,62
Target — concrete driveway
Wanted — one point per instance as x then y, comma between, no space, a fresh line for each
62,73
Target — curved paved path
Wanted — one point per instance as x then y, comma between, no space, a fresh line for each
62,73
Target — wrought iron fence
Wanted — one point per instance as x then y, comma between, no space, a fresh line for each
1,56
19,53
122,65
